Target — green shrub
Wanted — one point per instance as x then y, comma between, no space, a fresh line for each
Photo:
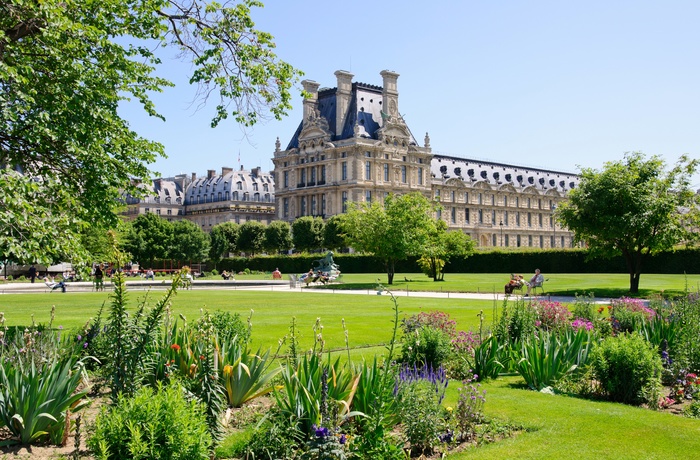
214,272
276,437
584,307
693,410
546,358
625,365
517,320
154,424
426,345
227,325
34,400
243,374
421,416
486,360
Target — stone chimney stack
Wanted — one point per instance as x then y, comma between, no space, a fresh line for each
390,94
225,170
211,173
342,99
194,177
311,103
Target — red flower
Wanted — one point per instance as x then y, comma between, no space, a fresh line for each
175,347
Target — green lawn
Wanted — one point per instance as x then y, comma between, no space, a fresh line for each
561,427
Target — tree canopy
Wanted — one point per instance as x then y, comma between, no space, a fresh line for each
393,230
307,233
633,207
278,236
251,238
148,237
441,246
189,243
67,65
223,239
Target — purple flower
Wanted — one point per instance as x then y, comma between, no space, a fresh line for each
80,337
342,439
85,345
321,431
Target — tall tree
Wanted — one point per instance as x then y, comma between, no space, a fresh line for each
334,233
189,242
252,237
67,65
223,239
278,236
392,231
307,233
632,207
442,246
147,238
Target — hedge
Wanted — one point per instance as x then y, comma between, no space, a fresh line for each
495,261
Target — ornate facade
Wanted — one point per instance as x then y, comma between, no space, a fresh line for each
235,196
353,145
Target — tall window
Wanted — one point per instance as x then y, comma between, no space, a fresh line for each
528,202
420,176
403,174
466,197
344,202
368,196
453,215
386,172
303,175
493,200
368,170
466,215
507,242
452,195
323,205
313,205
439,214
539,218
344,170
493,240
286,179
541,241
505,218
493,217
313,175
505,201
481,216
517,219
285,207
517,202
529,219
529,240
323,174
481,200
517,241
303,205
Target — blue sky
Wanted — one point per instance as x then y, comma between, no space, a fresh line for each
546,84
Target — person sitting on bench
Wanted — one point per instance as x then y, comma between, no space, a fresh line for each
49,282
536,281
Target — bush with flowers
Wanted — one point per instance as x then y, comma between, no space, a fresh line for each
551,316
627,314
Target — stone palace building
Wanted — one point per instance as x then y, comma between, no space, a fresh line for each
353,146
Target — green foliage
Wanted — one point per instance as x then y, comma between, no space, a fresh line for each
441,247
693,410
251,238
228,325
548,357
244,375
278,236
155,424
392,231
148,237
517,321
131,337
624,365
300,396
67,66
631,207
421,416
36,399
584,307
223,238
275,437
687,316
307,233
486,361
189,242
426,345
333,233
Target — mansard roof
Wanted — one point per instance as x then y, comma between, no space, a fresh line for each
499,174
365,109
228,181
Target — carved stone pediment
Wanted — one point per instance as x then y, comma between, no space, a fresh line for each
315,127
455,182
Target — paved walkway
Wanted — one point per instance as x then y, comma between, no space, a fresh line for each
264,285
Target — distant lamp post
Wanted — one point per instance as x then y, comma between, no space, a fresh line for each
554,227
501,224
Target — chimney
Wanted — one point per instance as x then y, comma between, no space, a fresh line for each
157,183
342,99
256,171
194,177
390,94
211,173
310,103
226,170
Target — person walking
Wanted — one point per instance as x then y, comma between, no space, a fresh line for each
32,273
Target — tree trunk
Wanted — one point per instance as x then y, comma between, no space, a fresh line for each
634,266
390,272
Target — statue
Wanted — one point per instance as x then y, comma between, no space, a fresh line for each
326,265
